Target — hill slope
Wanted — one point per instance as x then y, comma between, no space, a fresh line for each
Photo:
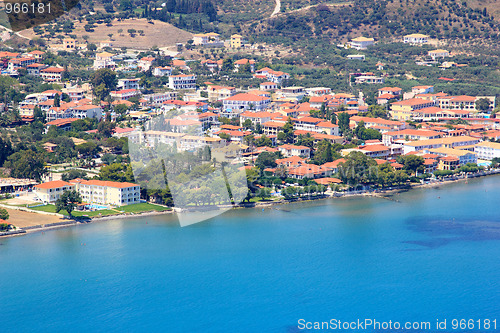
386,19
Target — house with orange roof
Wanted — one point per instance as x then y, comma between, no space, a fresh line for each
218,93
328,181
182,81
49,192
52,74
104,60
464,102
60,112
272,127
107,192
26,110
293,150
37,54
242,62
268,86
389,138
318,136
241,102
87,111
374,122
22,62
333,166
34,69
422,90
145,63
272,75
311,171
124,94
255,117
62,124
162,71
403,110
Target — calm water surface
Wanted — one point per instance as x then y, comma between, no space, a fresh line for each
432,254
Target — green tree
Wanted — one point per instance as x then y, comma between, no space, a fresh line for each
306,140
358,168
26,164
287,134
412,163
117,172
88,148
225,136
324,153
106,128
266,160
377,111
343,122
5,149
4,214
103,81
227,65
483,104
68,201
57,100
263,141
73,174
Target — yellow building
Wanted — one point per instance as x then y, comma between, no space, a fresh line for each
403,110
92,191
236,41
107,192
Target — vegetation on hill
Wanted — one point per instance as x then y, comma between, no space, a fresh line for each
383,19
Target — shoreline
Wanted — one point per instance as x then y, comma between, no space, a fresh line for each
381,194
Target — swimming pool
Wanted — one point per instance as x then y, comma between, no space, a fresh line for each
97,207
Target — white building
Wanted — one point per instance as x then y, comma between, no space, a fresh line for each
487,150
145,63
128,84
124,94
107,192
182,81
104,60
52,74
51,191
416,39
241,102
162,71
87,111
293,150
361,43
438,54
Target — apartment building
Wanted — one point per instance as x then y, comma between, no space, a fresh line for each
182,81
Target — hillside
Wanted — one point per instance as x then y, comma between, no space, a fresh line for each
443,19
156,33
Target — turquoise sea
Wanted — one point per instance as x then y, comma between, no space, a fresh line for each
432,254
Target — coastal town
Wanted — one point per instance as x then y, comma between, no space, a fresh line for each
69,128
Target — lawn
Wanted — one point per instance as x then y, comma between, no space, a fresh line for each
135,208
52,209
142,207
